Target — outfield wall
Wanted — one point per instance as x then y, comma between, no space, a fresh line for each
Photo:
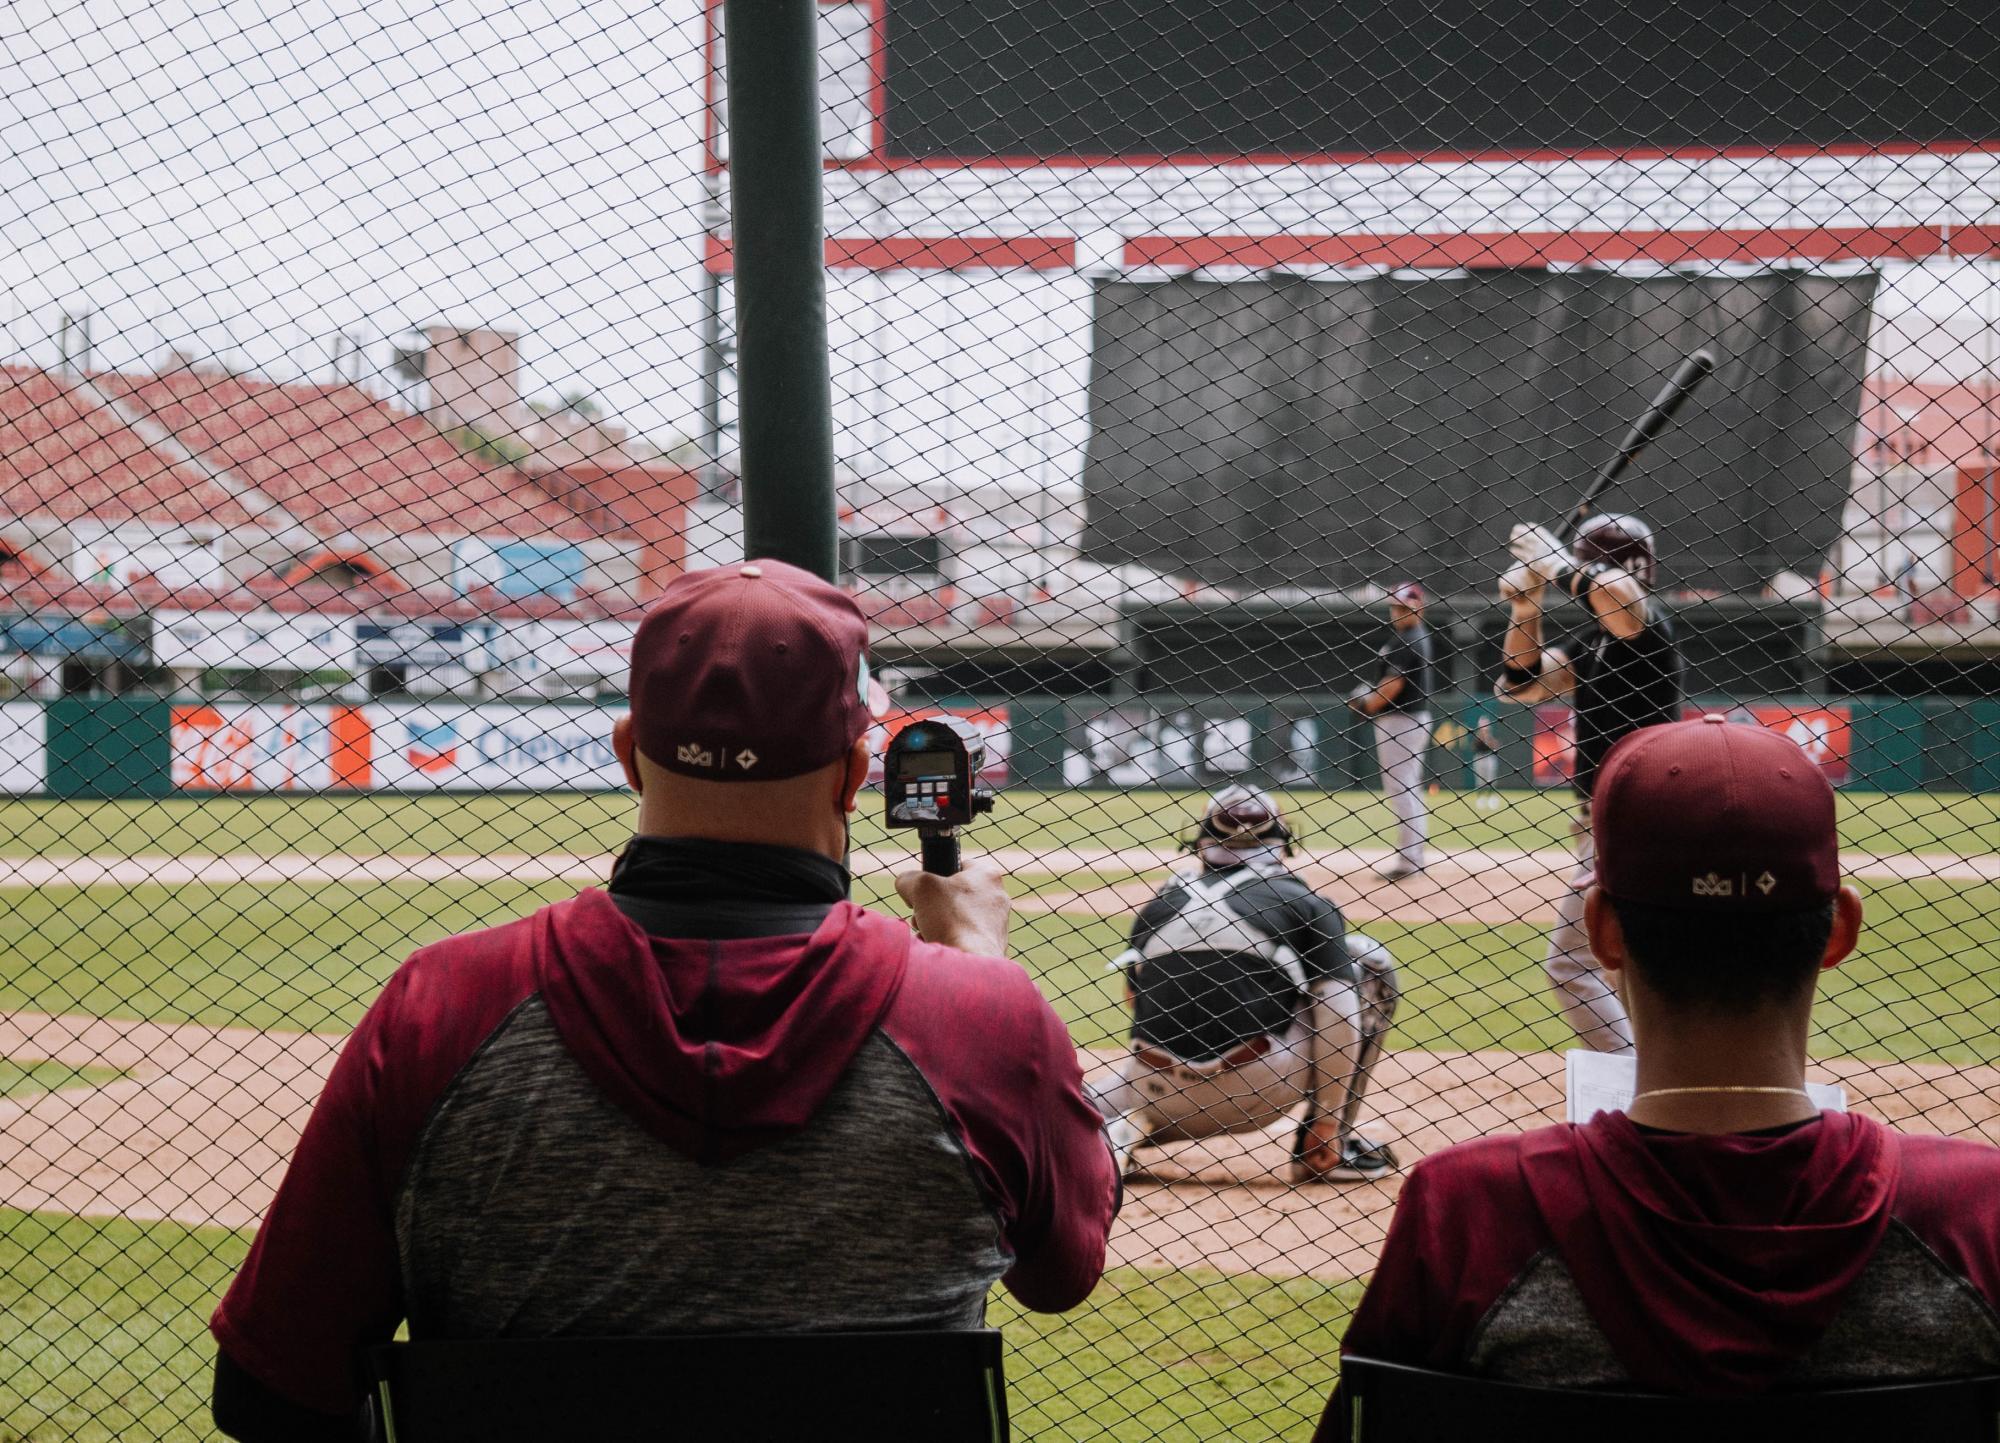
151,747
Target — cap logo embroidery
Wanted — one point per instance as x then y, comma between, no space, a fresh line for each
746,759
1714,886
694,754
1765,883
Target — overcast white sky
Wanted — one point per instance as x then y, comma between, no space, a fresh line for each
252,178
269,175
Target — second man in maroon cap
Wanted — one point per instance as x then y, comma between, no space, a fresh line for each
1721,1234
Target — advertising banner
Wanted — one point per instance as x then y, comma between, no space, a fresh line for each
1824,733
23,748
1554,746
1196,746
990,723
55,634
581,651
493,748
253,641
421,644
394,746
267,747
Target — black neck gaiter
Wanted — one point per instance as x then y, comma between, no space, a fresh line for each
693,887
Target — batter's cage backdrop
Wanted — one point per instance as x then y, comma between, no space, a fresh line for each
369,368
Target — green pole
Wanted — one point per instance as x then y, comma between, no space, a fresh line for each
778,244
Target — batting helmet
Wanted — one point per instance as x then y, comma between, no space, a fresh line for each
1617,540
1241,819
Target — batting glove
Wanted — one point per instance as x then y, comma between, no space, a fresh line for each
1517,583
1540,553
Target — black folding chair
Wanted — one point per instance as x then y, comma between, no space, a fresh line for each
1388,1403
943,1387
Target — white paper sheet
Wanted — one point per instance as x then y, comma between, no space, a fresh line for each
1597,1082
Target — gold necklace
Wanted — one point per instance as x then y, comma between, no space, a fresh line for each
1684,1091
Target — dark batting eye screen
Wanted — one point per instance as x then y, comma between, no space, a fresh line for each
1214,78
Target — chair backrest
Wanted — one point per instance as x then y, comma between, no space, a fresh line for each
1388,1403
932,1387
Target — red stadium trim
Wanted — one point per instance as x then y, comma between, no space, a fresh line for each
1505,249
932,253
1267,160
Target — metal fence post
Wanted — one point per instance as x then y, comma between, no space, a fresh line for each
784,396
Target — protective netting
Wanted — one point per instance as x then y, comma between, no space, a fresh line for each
368,369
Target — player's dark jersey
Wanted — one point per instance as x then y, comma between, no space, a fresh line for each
1224,957
1622,685
1408,654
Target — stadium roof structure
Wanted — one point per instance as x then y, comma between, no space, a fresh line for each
314,476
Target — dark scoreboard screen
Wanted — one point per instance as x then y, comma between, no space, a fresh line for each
1089,78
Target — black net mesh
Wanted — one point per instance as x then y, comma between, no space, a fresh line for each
367,371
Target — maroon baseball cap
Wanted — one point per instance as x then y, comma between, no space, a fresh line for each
750,673
1711,815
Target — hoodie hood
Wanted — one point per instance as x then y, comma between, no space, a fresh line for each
1712,1263
715,1047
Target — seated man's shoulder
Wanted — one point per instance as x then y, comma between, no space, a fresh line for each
493,965
467,958
1486,1166
984,1004
991,980
1943,1171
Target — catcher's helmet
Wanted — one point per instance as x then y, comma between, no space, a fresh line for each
1617,540
1241,819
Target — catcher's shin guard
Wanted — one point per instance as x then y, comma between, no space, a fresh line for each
1351,1018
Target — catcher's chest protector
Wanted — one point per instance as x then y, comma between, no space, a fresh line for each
1209,979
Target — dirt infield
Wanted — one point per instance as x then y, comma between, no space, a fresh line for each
199,1130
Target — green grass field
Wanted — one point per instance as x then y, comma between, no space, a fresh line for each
104,1331
437,824
107,1339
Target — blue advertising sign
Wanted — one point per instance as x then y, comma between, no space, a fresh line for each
53,634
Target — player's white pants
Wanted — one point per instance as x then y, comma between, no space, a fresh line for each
1591,1008
1401,739
1486,770
1144,1103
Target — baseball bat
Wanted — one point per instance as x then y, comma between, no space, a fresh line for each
1653,420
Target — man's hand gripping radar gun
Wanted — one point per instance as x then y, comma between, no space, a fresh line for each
931,782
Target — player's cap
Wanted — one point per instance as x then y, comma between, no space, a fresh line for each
1409,593
750,673
1712,815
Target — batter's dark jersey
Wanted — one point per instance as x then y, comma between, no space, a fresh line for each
1201,1003
1622,685
1408,654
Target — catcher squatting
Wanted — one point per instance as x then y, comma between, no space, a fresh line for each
1250,1001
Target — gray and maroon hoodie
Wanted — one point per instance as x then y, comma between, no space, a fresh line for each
566,1125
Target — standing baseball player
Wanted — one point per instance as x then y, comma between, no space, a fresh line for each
1626,674
1485,745
1250,999
1399,703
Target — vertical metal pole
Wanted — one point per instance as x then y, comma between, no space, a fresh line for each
778,244
711,384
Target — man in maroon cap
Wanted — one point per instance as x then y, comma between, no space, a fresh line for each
1721,1235
717,1096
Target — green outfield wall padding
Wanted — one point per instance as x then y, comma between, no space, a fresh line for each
1889,746
109,747
121,746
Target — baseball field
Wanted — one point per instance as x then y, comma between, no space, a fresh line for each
175,978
